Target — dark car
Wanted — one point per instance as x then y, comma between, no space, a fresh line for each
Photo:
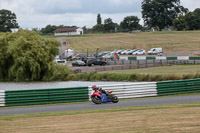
78,63
96,62
79,57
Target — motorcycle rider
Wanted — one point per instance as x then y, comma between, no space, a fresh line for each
95,88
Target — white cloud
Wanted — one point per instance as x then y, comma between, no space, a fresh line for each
191,4
58,6
39,13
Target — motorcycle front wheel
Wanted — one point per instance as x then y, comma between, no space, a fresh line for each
115,99
96,100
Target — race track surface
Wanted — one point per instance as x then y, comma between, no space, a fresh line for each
90,105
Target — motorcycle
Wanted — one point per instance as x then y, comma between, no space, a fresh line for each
98,97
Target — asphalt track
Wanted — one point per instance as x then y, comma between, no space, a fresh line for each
90,105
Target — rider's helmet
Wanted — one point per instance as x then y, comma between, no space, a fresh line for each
94,87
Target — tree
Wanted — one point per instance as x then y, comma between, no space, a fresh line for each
180,23
197,16
161,13
26,56
109,26
98,28
189,21
98,19
49,29
130,23
7,21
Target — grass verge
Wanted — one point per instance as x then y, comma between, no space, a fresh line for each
158,118
179,70
169,41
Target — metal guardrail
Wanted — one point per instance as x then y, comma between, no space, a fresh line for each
131,90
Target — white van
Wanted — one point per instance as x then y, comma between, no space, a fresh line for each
69,52
155,51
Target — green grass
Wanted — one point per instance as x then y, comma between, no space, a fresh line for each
169,41
117,109
179,70
84,35
151,119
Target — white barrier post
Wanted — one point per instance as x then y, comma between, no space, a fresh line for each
2,98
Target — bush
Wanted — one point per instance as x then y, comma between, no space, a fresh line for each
60,72
26,56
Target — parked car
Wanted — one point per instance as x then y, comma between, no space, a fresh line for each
79,56
78,63
134,50
93,62
125,51
60,61
129,52
139,52
119,51
103,53
110,56
155,51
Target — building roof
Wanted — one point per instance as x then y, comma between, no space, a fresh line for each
66,29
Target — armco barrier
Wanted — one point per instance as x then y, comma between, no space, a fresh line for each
45,96
178,86
131,90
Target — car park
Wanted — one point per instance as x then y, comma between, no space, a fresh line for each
78,63
93,62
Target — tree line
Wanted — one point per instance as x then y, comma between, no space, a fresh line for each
129,24
158,14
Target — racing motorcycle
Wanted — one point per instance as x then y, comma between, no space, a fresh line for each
98,97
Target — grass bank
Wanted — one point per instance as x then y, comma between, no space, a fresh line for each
169,41
179,70
159,118
176,72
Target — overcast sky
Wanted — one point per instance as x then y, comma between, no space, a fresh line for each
39,13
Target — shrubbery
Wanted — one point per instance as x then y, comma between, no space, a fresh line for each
126,77
26,56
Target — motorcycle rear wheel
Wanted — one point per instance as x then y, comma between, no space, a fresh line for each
115,99
96,100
